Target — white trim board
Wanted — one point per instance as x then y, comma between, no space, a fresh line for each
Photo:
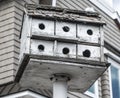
54,3
24,93
106,8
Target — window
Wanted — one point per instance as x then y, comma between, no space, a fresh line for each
93,90
115,82
115,79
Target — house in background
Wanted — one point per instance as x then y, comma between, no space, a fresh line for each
11,17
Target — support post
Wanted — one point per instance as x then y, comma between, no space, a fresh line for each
60,85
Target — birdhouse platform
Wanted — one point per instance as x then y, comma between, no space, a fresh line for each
61,41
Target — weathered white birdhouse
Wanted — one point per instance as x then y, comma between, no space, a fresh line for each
55,40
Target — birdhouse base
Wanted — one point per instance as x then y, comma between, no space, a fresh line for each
37,71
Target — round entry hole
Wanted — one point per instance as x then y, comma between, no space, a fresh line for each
41,47
41,26
86,53
89,32
66,50
66,29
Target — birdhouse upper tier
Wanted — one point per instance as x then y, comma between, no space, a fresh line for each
57,40
62,33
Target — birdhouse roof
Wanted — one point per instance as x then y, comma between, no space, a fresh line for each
63,14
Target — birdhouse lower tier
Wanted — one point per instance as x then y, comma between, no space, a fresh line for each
65,50
38,70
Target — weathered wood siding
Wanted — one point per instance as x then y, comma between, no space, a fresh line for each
9,40
112,32
11,15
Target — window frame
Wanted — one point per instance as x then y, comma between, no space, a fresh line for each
116,65
96,94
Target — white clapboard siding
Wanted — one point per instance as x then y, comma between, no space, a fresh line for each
11,16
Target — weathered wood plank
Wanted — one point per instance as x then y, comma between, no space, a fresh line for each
7,68
9,62
8,55
7,74
9,49
7,79
10,43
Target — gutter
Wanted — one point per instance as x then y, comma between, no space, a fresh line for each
116,18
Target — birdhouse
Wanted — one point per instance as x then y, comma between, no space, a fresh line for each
55,40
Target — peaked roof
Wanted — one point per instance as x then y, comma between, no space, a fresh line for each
14,88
